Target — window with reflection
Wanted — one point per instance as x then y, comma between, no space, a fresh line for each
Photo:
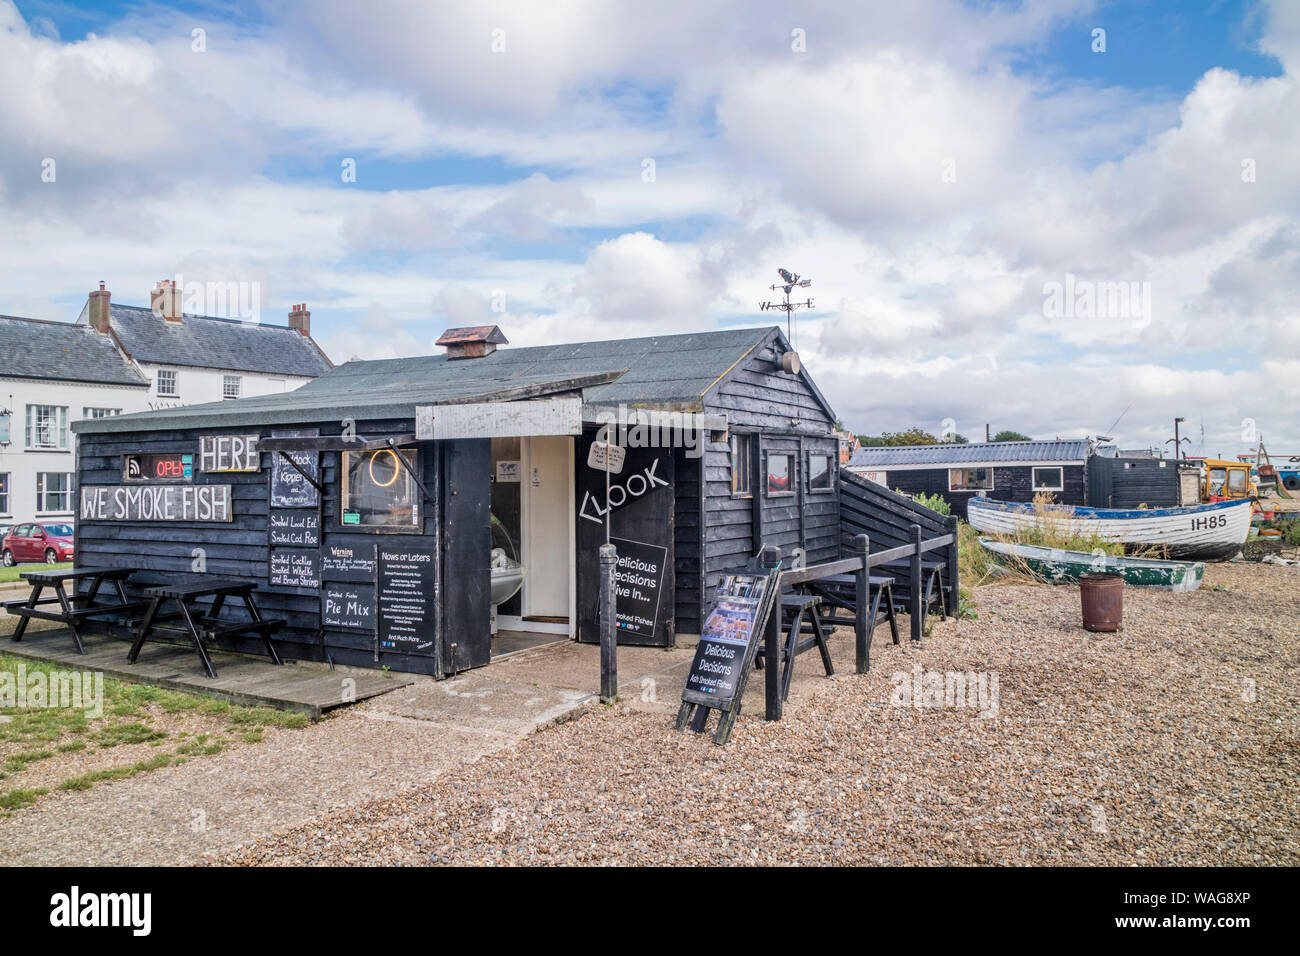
378,492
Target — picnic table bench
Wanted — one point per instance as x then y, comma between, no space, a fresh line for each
839,592
932,584
799,615
203,624
69,612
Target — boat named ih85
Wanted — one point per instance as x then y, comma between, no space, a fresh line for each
1206,532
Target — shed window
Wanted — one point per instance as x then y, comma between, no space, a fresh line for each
742,465
970,479
778,474
819,472
1049,479
377,491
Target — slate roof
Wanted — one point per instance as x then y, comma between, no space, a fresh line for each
62,351
668,372
942,456
205,342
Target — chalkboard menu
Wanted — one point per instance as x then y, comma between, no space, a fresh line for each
289,488
294,528
295,567
348,606
639,579
407,595
348,558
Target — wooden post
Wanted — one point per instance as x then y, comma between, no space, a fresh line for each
917,602
953,604
862,626
608,625
769,558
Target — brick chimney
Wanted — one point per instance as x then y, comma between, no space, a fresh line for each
100,317
300,319
165,300
476,342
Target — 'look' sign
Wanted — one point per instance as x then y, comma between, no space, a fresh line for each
631,488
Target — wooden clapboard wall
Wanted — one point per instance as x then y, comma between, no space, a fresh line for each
1010,483
239,548
784,413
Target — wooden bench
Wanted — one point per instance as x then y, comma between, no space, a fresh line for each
932,584
839,592
69,613
799,615
202,625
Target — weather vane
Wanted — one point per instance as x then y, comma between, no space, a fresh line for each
789,282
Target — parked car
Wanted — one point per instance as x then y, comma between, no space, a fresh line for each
27,543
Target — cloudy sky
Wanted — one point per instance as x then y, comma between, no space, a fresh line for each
971,187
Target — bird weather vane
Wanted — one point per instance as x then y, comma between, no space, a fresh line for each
789,282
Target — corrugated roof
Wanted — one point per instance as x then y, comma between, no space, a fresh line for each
972,452
202,341
62,351
666,371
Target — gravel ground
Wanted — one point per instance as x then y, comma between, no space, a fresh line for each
1173,742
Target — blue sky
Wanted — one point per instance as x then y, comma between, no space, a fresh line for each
932,168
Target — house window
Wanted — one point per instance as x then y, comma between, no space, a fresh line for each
1049,479
53,491
47,426
377,491
970,479
819,472
100,412
166,382
230,385
778,474
4,494
742,465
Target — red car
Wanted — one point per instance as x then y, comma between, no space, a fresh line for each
28,543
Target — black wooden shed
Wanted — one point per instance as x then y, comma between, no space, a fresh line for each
330,495
957,472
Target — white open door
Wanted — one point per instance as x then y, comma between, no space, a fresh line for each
550,586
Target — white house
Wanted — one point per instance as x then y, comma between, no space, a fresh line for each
117,359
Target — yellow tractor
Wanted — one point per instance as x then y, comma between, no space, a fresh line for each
1225,480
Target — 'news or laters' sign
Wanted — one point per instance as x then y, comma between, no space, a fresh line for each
605,454
634,486
218,453
156,503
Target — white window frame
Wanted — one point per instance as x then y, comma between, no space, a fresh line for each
991,483
42,493
227,380
60,424
175,382
740,447
831,461
93,412
1033,478
5,488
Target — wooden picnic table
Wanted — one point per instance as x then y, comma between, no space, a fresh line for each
799,614
69,613
932,576
840,591
200,624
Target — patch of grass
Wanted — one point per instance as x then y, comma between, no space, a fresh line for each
202,745
11,574
134,733
21,797
268,717
254,736
87,780
72,746
210,705
19,761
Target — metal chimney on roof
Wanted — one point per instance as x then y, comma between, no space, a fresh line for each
475,342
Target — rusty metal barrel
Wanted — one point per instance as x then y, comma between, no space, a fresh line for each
1102,595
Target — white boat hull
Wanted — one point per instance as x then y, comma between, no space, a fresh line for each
1206,532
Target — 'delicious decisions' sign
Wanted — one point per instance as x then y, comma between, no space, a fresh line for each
638,582
722,656
156,503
